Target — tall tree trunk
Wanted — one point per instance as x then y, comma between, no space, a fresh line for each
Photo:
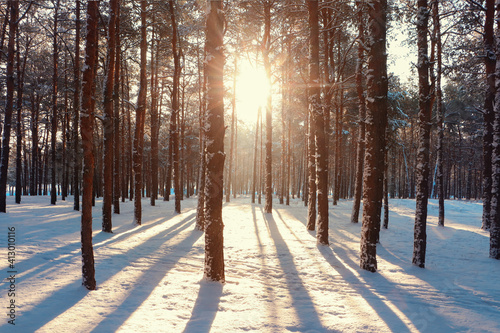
117,153
175,110
439,112
108,122
55,57
76,114
19,133
214,62
495,200
318,119
360,151
311,172
424,115
489,114
9,103
255,180
87,132
376,122
202,80
266,47
233,119
140,120
154,122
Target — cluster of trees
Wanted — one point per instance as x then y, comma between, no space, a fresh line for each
136,88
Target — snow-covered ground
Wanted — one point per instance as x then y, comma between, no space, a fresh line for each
150,277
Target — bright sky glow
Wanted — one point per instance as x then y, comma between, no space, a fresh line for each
252,89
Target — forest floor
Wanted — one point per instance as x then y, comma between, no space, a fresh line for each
277,279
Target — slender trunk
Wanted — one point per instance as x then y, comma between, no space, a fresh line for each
55,57
266,47
311,173
76,114
255,180
376,122
231,149
214,62
175,110
19,133
318,120
422,169
87,132
154,121
489,114
360,151
117,152
140,120
108,122
9,104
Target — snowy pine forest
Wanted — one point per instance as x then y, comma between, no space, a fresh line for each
251,165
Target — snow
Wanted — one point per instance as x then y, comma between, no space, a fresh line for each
150,277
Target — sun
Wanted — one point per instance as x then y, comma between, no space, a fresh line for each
252,90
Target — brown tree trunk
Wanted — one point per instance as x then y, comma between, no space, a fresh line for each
108,122
87,132
255,180
9,104
55,57
214,62
154,122
175,110
318,121
360,152
424,115
19,133
489,114
266,47
233,120
376,122
76,113
117,153
140,120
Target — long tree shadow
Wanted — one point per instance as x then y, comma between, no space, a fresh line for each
59,302
301,300
65,254
421,317
157,271
205,308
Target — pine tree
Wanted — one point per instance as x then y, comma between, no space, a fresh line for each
87,132
376,122
424,117
214,68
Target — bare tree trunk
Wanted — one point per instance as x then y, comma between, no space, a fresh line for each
214,62
9,104
19,133
87,132
140,120
154,121
108,122
255,180
439,112
175,110
318,121
422,170
360,152
489,114
55,57
76,114
231,149
311,173
117,152
376,122
266,47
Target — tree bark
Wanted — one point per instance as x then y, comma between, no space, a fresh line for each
266,47
87,132
360,151
55,57
376,122
424,115
117,152
214,62
9,103
76,114
108,122
489,114
140,120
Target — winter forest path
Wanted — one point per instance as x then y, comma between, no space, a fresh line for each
277,279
